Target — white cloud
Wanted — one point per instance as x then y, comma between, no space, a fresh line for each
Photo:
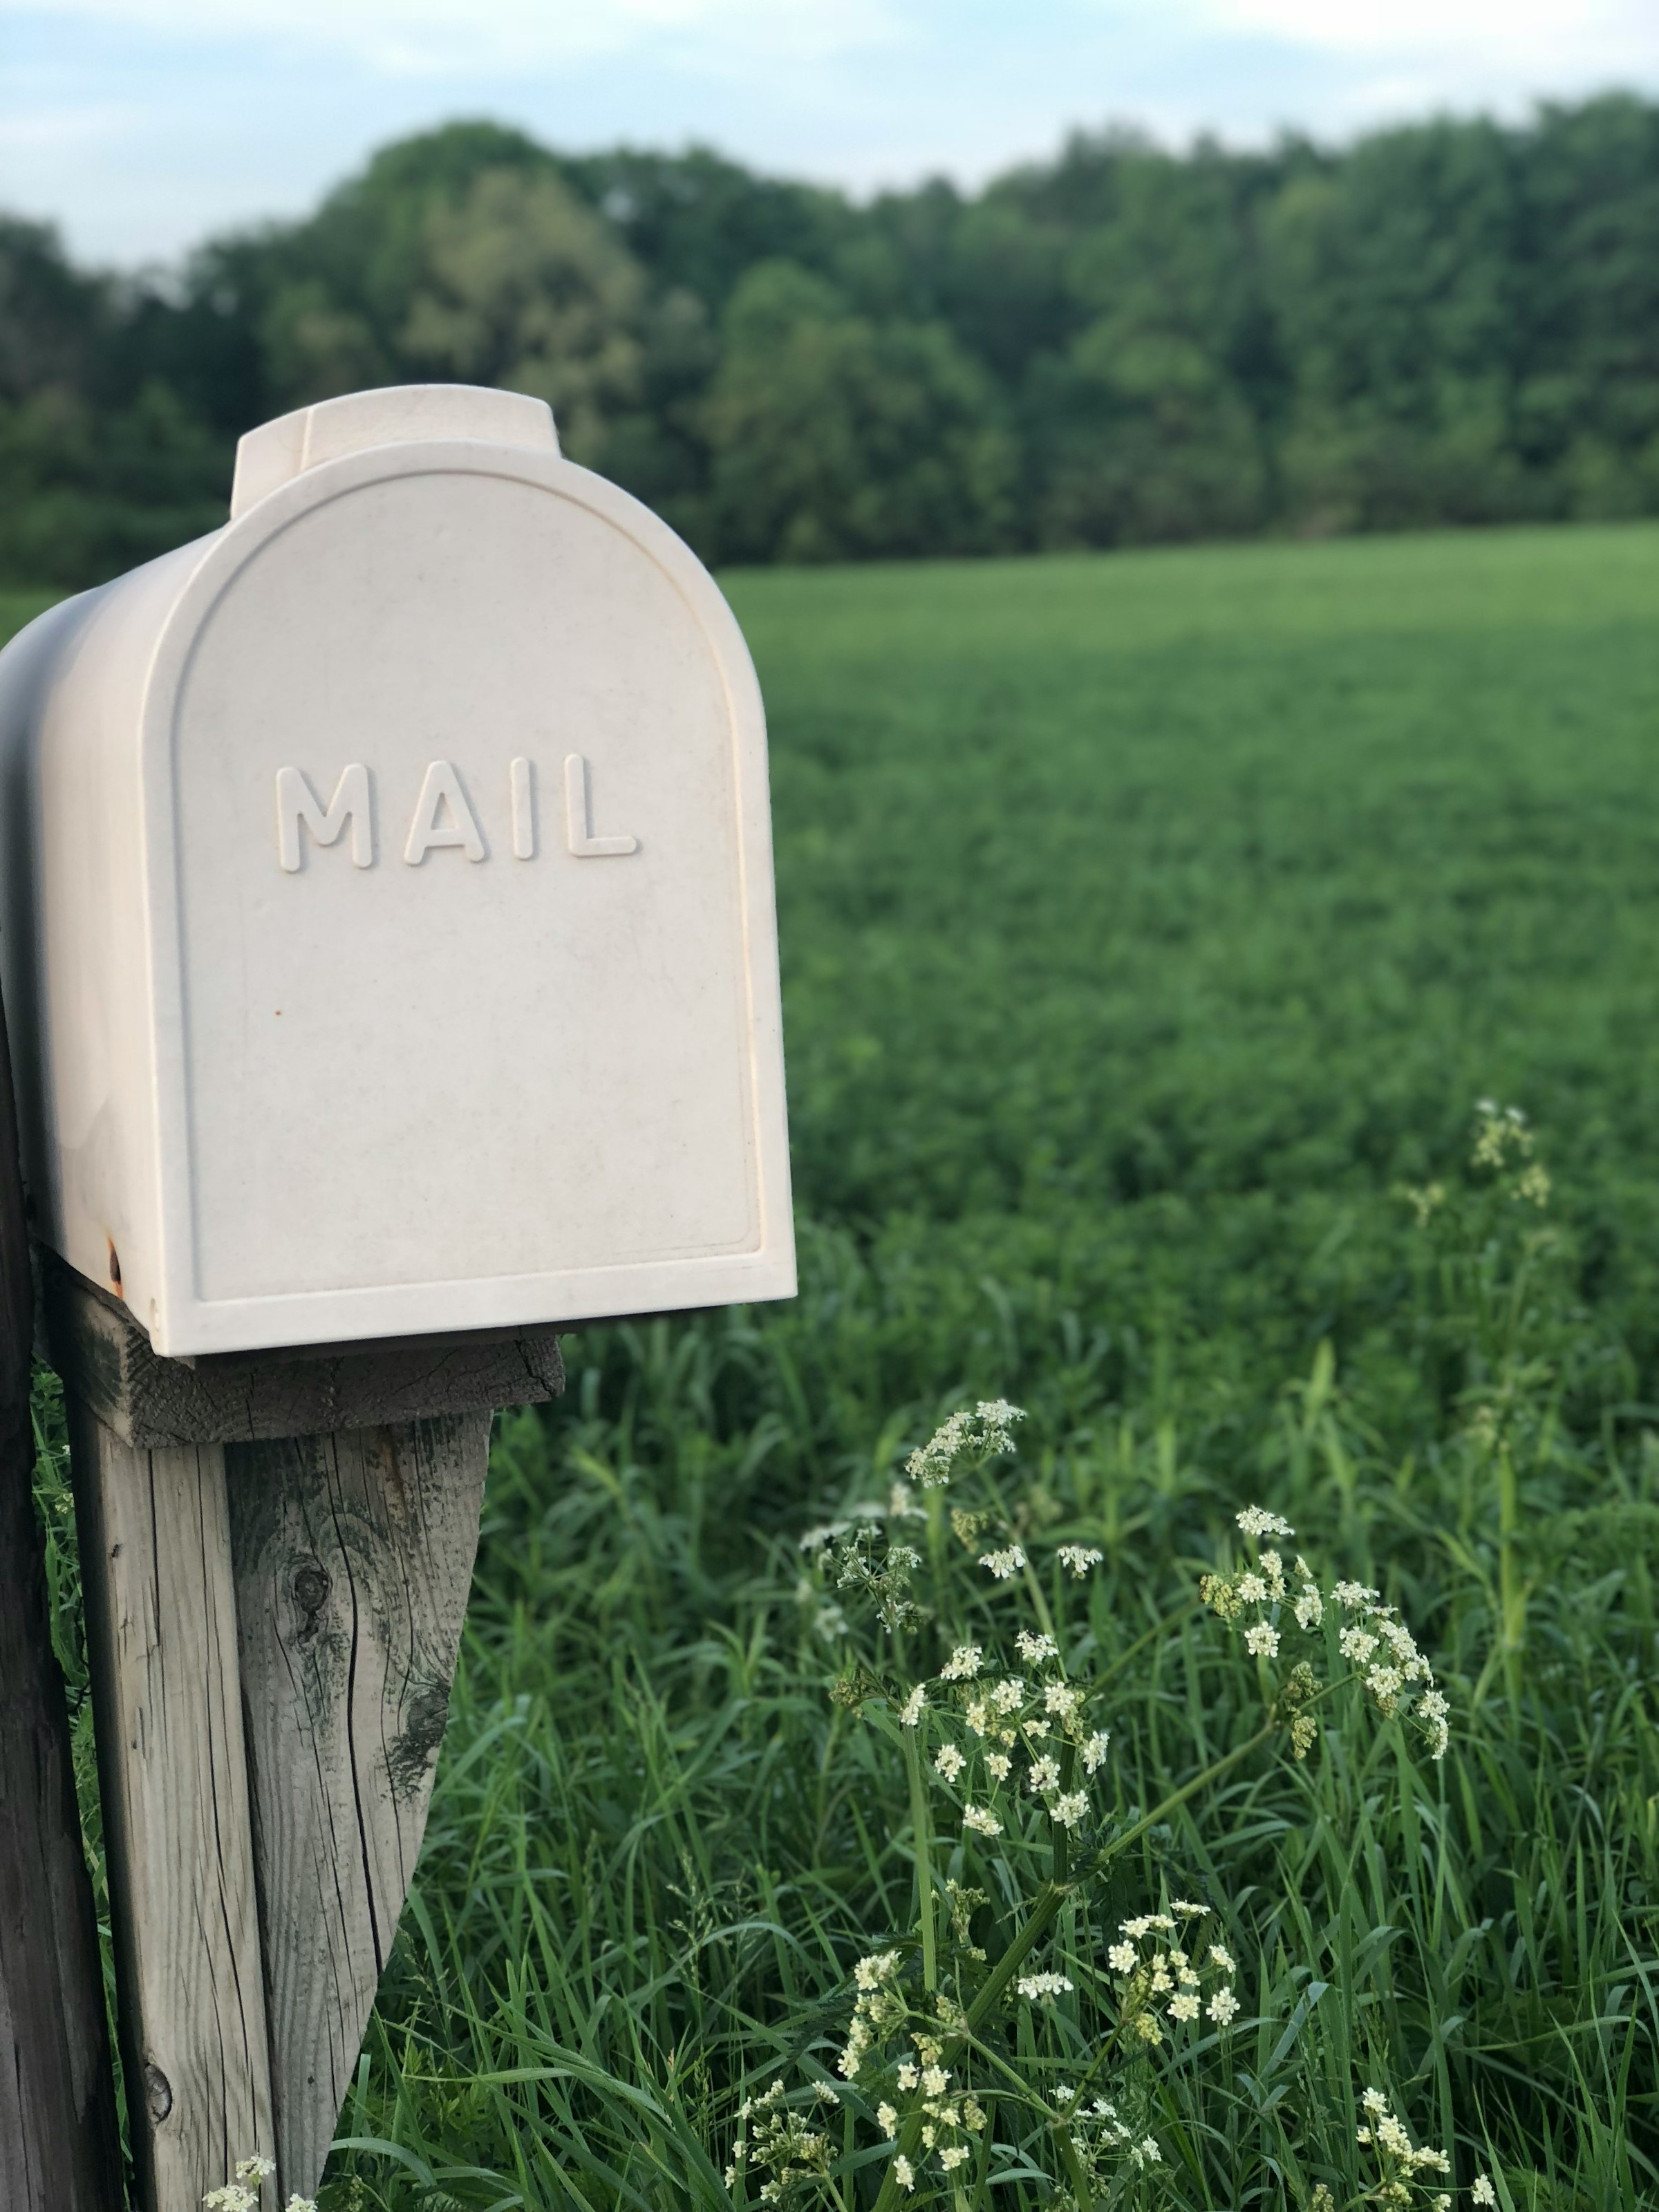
1514,36
431,35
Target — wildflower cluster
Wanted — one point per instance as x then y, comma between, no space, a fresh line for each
1504,1142
983,1434
242,2194
1406,2177
1003,1732
1371,1635
880,2007
778,2141
1102,2141
946,2119
869,1564
1013,1737
1166,1971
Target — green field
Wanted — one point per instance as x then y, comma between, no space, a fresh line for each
1148,922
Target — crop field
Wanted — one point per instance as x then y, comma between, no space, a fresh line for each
1151,925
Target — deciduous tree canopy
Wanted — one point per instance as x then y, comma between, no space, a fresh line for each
1456,322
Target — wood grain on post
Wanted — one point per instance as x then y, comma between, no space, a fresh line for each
353,1556
58,2148
173,1768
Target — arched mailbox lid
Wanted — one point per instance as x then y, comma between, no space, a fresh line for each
388,930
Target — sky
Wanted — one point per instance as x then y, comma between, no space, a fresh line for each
141,126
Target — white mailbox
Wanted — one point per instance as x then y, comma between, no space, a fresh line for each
387,934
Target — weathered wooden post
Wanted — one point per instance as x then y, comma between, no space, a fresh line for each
346,1079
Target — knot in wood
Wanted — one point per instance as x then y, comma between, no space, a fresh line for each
310,1586
158,2093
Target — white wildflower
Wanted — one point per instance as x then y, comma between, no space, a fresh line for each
934,2081
931,1463
953,2155
1043,1989
908,2077
1094,1751
903,2172
964,1664
887,2121
1044,1775
1078,1558
1222,2007
242,2194
1222,1957
1062,1698
870,1974
988,1430
910,1710
1034,1649
1353,1596
1005,1696
978,1715
1483,2192
983,1823
1004,1564
1432,1710
1122,1958
996,1417
1252,1589
1068,1811
1256,1522
997,1763
1356,1644
1262,1642
1310,1606
948,1762
1184,2007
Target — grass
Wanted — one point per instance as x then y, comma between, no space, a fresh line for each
1146,922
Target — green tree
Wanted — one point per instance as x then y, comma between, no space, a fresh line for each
838,437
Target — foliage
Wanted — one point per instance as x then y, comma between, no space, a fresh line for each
1458,321
834,436
1151,927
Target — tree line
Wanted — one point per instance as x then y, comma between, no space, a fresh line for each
1455,322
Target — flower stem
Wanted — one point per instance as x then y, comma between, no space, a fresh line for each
921,1835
